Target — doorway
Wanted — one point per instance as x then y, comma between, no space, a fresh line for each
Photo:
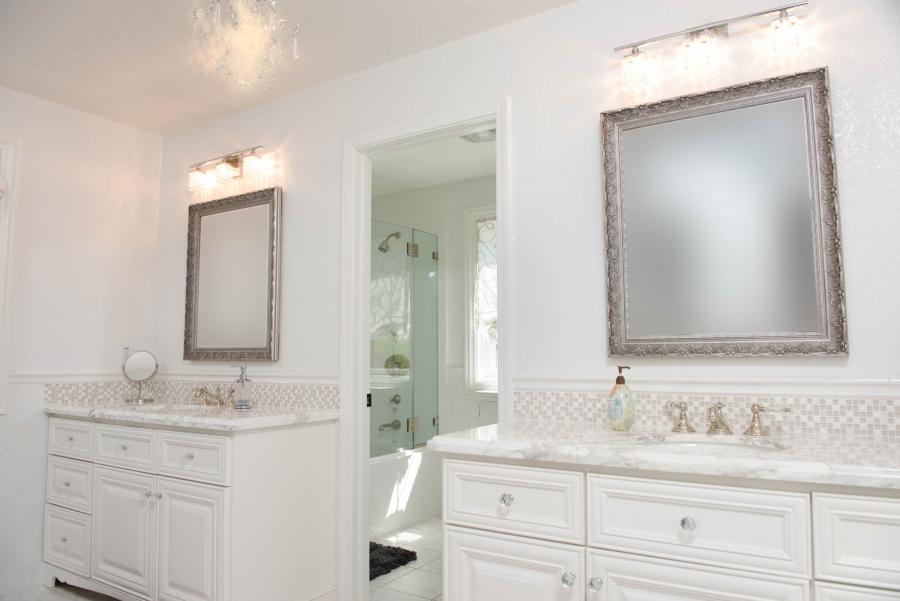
359,422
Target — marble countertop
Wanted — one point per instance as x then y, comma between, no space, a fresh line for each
857,462
196,417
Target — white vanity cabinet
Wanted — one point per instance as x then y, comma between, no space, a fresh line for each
522,532
168,515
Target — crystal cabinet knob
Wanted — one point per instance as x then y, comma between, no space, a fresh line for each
595,584
67,484
123,447
158,496
688,523
148,494
70,439
188,456
63,539
568,579
506,500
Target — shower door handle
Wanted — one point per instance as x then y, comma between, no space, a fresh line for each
394,425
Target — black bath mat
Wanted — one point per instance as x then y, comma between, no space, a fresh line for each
384,559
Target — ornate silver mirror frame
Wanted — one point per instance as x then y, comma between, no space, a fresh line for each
231,351
830,334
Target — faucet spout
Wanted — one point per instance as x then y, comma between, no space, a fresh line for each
717,423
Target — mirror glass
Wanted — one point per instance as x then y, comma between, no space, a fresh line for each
140,366
721,212
232,278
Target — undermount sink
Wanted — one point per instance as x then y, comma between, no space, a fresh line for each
702,444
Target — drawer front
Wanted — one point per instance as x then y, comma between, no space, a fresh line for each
518,500
766,531
71,438
857,540
70,483
614,576
195,457
481,566
67,539
841,592
130,448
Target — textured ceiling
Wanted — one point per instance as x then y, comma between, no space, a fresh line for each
131,61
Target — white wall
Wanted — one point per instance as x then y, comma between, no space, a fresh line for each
440,210
80,287
560,74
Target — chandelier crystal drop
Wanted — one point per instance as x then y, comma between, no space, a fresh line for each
244,40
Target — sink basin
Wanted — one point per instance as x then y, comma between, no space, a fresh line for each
721,446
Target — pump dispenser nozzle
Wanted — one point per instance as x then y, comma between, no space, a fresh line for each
620,379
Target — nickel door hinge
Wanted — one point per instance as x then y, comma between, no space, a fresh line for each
369,399
434,255
412,249
436,421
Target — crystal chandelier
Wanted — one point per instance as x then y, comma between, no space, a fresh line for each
245,40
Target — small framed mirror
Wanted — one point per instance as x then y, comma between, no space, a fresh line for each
140,367
722,233
231,308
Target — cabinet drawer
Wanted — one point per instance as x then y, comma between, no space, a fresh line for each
766,531
857,540
71,438
67,539
535,502
195,457
70,483
840,592
130,448
613,576
492,567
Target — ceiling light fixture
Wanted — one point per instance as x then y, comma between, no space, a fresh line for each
244,40
479,137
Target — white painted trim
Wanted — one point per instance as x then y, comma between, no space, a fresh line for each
470,240
10,156
115,376
750,385
354,333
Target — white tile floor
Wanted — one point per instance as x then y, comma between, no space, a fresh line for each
416,581
421,579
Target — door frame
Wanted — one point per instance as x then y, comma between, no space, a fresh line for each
356,230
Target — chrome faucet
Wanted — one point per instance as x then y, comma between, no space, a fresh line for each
717,423
681,422
217,397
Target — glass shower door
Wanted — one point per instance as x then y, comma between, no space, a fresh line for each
391,379
425,336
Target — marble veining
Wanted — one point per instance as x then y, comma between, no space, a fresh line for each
198,417
831,460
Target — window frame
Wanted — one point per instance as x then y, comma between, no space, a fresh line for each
472,217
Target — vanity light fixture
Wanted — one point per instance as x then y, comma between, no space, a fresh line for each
700,42
242,164
635,68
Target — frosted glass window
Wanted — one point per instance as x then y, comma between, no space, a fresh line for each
485,360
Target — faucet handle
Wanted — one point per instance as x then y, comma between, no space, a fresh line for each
681,422
756,428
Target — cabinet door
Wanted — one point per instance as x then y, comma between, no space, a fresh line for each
124,530
490,567
191,541
615,576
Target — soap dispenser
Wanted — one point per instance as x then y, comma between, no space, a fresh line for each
242,388
620,409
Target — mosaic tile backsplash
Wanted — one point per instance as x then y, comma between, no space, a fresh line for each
833,416
291,397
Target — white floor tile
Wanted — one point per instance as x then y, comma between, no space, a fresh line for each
418,582
386,594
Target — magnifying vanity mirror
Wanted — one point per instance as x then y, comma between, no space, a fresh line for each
140,367
231,309
722,233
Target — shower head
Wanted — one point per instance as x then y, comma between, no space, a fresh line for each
386,243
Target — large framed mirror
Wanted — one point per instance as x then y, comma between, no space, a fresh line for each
722,232
231,308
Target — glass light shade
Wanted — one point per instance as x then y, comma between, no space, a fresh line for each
635,70
252,164
226,171
195,179
699,53
787,33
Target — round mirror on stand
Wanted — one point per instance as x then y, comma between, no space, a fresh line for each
140,367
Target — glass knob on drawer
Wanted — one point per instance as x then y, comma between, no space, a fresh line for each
688,523
568,579
158,496
595,584
66,484
123,447
63,539
70,439
506,500
148,494
188,456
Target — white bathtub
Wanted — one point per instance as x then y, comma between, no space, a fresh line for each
404,489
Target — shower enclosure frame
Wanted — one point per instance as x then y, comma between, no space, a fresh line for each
353,460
